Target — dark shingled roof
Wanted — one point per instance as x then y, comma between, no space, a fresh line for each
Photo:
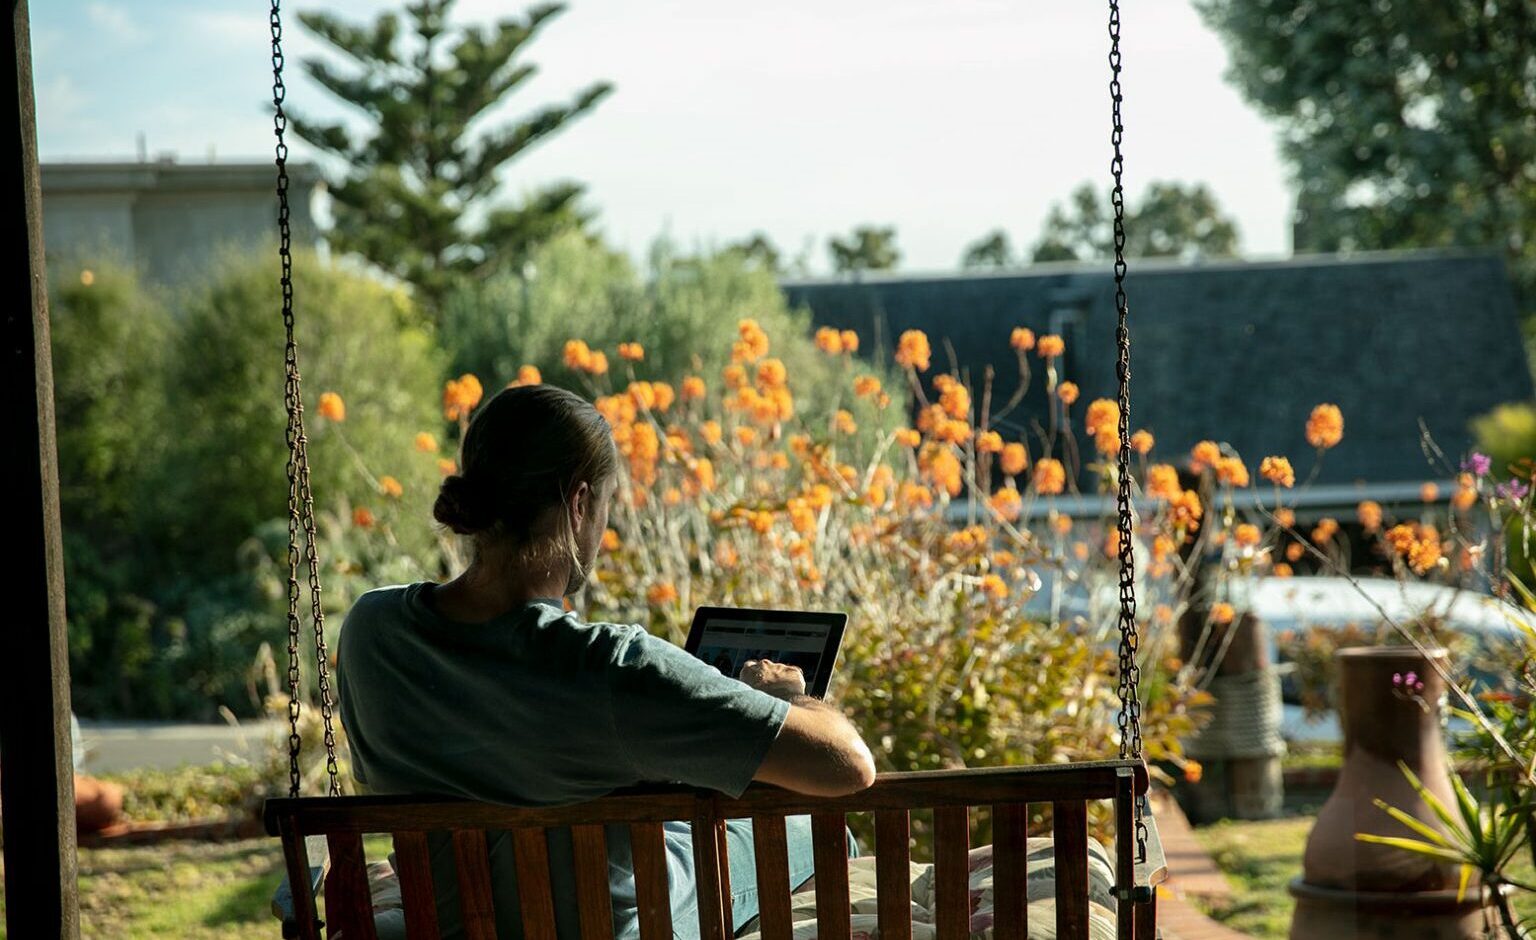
1235,351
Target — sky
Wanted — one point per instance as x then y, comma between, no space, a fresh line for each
802,119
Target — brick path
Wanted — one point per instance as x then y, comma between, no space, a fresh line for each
1191,874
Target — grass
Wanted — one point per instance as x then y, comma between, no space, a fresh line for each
1261,858
188,890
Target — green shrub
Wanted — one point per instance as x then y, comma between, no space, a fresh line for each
684,312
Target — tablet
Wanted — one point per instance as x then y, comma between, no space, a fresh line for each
727,637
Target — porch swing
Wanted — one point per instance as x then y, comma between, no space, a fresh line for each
322,837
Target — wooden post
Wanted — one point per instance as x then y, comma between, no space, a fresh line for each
37,791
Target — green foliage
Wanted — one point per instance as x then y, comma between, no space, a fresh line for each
417,197
1407,127
1172,221
226,474
993,250
684,312
1507,434
868,248
760,251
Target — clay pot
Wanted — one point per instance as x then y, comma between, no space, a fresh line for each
1351,888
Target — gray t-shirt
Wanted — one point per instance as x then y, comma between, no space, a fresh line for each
536,708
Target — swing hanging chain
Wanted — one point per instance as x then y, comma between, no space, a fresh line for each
1130,672
301,507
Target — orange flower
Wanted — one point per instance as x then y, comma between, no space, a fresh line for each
1247,535
989,442
753,344
1007,503
362,517
598,364
1222,613
865,386
1429,492
693,388
1068,392
1233,471
772,374
1163,481
1369,514
664,395
1142,442
907,437
661,593
631,352
460,396
913,496
844,422
1022,339
447,467
1285,517
426,443
1163,548
611,541
1294,551
1061,525
1204,455
527,375
577,354
1325,428
1103,415
746,436
1107,442
1050,475
829,341
643,395
710,432
332,408
389,486
1466,494
1015,459
761,522
1278,471
913,351
1050,346
1193,771
1417,545
1283,570
1186,510
941,467
954,397
994,587
850,341
1326,528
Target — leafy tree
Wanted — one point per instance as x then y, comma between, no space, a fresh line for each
993,250
417,198
1173,220
867,249
1405,126
759,250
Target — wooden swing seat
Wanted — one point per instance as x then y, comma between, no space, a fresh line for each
337,826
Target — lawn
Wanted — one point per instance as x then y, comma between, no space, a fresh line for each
188,890
1261,858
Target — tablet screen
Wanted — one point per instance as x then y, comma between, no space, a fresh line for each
727,639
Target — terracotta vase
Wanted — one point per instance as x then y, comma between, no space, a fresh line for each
1350,888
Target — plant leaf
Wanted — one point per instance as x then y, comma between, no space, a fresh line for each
1466,876
1417,825
1412,845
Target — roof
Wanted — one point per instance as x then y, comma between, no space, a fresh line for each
166,175
1235,351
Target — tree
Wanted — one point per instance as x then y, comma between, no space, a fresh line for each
990,251
867,249
759,250
417,197
1173,220
1407,127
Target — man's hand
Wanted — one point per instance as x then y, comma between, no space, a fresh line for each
777,679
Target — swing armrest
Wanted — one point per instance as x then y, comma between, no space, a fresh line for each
282,899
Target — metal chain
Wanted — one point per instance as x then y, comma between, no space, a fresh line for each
301,509
1130,672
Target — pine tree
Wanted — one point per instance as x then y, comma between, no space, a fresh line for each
418,195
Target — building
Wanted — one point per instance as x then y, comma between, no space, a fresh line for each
167,219
1240,352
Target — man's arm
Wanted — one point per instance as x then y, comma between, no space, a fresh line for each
818,751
